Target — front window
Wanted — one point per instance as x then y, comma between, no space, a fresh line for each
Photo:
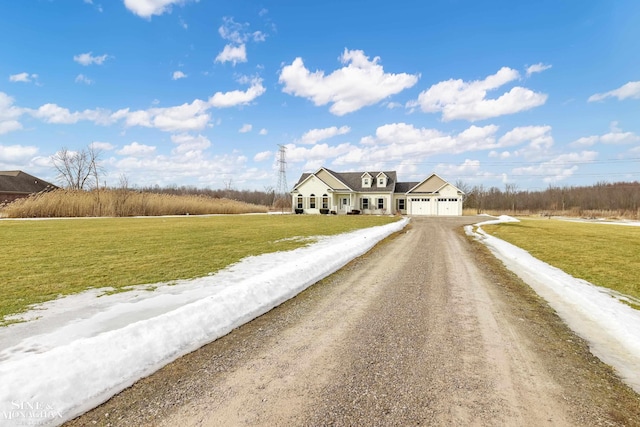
325,201
401,204
365,204
312,201
380,203
300,201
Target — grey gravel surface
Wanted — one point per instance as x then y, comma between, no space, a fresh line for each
426,329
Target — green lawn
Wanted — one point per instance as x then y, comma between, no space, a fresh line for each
42,260
605,255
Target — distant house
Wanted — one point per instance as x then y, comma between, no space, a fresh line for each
17,184
374,192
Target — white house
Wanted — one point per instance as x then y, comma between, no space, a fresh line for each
327,191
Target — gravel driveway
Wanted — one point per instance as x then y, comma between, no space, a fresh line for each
426,329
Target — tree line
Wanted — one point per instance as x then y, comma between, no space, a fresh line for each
622,198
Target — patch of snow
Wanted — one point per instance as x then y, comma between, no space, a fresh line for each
611,328
81,350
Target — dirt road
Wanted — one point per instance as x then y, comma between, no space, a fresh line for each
427,329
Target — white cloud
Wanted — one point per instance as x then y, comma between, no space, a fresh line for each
137,150
102,146
629,90
404,143
181,118
466,168
81,78
236,32
518,135
191,116
614,136
88,59
237,97
262,156
9,114
23,77
233,54
148,8
263,131
396,142
15,154
178,75
245,128
358,84
52,113
558,168
537,68
315,135
189,144
457,99
316,155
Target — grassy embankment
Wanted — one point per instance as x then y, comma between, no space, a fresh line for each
602,254
45,259
121,202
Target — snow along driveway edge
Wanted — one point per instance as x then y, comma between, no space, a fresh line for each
70,379
611,328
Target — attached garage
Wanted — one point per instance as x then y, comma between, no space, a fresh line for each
434,197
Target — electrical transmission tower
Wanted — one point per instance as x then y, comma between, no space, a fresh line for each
282,188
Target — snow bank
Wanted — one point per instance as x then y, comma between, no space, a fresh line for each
57,370
611,327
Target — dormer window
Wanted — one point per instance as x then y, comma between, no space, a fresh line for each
367,180
381,180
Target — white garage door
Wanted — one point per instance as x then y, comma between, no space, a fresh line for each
441,206
447,206
420,206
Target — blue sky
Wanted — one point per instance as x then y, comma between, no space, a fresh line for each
202,93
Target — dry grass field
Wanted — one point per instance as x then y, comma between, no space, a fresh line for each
119,202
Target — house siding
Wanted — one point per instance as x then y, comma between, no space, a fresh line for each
345,193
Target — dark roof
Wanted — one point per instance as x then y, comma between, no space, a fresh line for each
403,187
19,182
302,178
354,180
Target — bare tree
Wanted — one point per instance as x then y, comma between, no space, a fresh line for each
79,170
510,190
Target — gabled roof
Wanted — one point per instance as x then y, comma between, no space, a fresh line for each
328,176
18,182
354,181
432,184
